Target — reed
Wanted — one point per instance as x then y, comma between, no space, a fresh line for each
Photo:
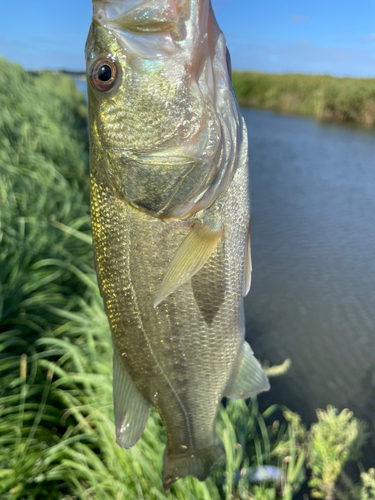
322,96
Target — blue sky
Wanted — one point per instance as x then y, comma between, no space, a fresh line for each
331,36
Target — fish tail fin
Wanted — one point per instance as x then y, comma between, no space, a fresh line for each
197,463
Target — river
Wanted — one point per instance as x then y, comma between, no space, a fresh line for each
313,244
312,298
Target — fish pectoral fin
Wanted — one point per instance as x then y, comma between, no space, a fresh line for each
131,408
248,266
250,378
190,256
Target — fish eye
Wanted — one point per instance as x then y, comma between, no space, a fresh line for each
104,74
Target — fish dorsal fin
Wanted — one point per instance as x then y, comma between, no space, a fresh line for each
248,266
131,408
250,378
190,256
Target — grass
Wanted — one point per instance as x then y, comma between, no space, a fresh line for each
56,418
321,96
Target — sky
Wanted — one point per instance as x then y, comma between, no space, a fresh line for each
277,36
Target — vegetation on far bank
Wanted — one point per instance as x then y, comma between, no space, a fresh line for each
56,418
322,96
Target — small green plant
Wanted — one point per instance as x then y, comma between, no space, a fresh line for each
335,439
368,485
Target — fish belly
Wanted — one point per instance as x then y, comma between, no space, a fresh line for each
183,354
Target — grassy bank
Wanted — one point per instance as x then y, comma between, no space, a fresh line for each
56,418
324,97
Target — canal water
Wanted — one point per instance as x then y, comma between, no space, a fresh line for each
312,298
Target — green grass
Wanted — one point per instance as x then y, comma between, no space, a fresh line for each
321,96
56,418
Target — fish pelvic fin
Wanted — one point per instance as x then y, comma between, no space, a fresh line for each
131,408
189,258
192,463
250,379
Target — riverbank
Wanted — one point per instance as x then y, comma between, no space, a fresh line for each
324,97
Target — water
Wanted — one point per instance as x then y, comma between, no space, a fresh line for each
81,85
313,244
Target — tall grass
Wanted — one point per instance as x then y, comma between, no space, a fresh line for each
322,96
56,419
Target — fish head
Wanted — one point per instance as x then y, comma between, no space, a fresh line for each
163,118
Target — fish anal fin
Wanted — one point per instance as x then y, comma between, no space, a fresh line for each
250,379
248,265
192,463
131,408
189,258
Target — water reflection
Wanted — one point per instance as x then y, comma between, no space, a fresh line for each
313,241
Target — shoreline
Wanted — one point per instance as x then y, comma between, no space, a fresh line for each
350,100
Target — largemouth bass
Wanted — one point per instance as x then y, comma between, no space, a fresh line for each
171,222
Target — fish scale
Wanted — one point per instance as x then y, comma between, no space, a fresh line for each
170,218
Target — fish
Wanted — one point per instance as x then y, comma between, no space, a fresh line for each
170,213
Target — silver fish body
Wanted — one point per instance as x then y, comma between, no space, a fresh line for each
171,222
